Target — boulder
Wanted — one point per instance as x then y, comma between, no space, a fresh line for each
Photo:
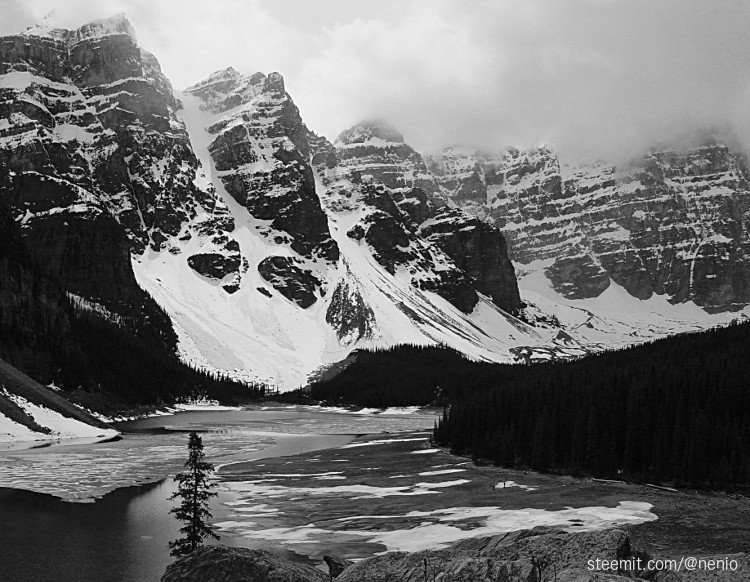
223,564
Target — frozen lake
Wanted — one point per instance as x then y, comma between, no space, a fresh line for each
354,485
98,512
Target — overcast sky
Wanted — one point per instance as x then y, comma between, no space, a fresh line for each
591,77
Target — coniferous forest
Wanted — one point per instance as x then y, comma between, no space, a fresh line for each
397,376
55,339
676,410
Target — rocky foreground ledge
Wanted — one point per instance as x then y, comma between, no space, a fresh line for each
538,555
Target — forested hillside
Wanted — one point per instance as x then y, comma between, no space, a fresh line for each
675,410
397,376
75,344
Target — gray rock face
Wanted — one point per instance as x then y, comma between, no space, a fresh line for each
372,172
294,283
370,167
349,313
522,556
673,223
99,165
262,152
479,249
396,244
223,564
376,151
461,174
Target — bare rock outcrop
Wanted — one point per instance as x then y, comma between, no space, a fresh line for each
223,564
543,554
538,555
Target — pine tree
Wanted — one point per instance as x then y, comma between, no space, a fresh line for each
194,492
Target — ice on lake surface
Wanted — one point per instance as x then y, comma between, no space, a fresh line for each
414,531
385,491
154,448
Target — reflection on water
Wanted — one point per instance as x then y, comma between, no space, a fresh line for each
119,538
122,536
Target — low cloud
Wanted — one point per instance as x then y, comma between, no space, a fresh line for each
591,77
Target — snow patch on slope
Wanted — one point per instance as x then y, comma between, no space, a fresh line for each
61,427
615,318
249,334
257,334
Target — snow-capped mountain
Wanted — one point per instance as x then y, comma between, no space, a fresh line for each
658,247
275,252
673,224
331,259
98,166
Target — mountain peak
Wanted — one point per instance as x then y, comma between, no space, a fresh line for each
274,82
370,129
230,80
227,88
223,74
117,24
112,25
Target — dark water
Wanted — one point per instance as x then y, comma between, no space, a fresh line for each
123,536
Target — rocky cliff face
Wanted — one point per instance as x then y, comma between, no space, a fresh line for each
461,174
479,249
371,172
260,150
100,168
375,151
673,224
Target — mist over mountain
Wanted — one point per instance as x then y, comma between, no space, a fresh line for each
591,78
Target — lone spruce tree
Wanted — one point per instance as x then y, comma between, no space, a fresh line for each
194,492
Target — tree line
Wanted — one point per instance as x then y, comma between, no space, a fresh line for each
45,335
404,375
673,411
